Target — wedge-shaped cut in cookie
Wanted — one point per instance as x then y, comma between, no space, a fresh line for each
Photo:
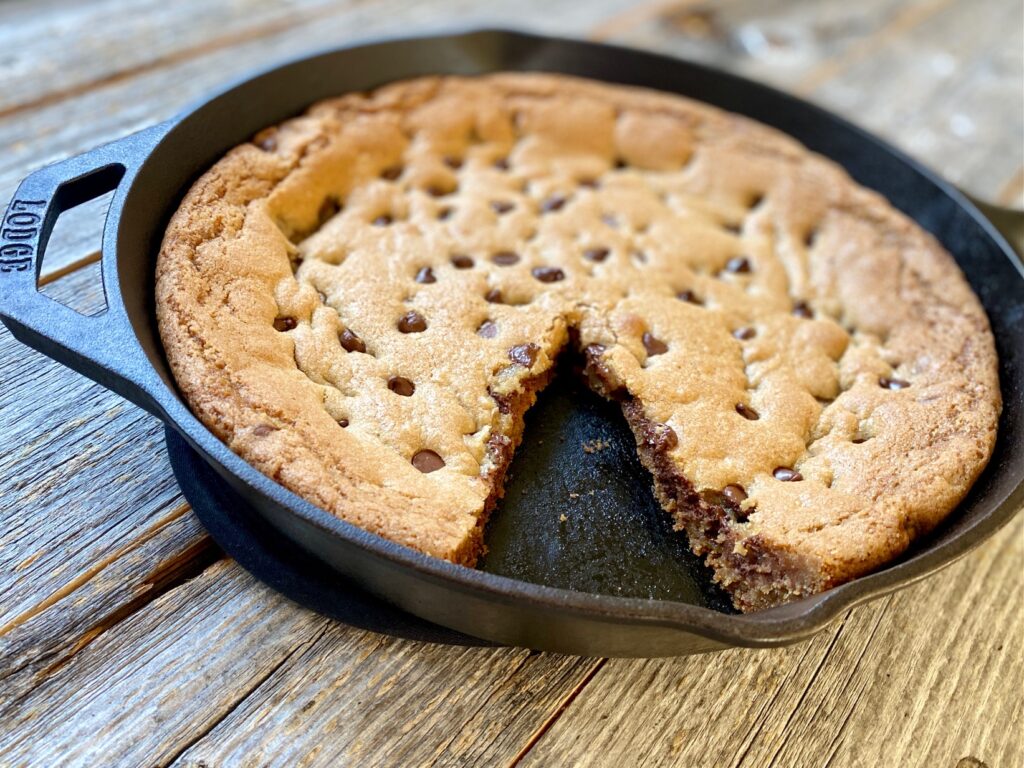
364,301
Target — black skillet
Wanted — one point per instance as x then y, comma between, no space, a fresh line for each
612,579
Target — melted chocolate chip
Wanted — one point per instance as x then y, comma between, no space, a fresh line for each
596,254
620,163
737,265
350,342
787,475
461,261
284,323
803,309
553,203
391,173
755,200
342,422
401,386
427,461
501,164
505,258
262,430
488,329
493,296
502,206
887,382
548,274
745,333
735,494
425,275
267,143
524,354
747,412
688,296
653,345
412,322
382,221
453,162
661,437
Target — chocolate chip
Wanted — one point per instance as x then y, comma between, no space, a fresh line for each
589,183
688,296
502,206
732,227
501,163
620,163
391,173
425,275
461,261
745,333
262,430
596,254
488,329
401,386
444,214
887,382
654,345
493,296
787,475
412,322
342,422
747,412
548,274
802,309
553,203
382,221
284,323
737,264
661,437
809,238
735,494
755,200
436,190
524,354
427,461
328,209
505,258
267,143
350,342
453,162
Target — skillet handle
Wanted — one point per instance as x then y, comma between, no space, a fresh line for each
103,347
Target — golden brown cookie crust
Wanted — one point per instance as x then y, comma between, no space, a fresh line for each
384,282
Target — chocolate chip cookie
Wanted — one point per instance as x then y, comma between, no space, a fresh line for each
363,302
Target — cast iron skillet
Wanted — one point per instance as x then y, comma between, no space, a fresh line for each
121,348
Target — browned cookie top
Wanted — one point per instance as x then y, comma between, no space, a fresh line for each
349,301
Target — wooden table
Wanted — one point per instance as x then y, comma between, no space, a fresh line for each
126,637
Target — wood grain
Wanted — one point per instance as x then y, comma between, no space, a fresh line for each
125,638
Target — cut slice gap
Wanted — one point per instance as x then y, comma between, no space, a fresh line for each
579,510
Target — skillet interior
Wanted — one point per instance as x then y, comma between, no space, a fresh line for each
482,604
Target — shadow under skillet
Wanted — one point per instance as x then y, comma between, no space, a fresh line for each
579,510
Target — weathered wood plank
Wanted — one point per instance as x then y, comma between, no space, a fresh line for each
352,699
82,471
941,79
926,677
180,664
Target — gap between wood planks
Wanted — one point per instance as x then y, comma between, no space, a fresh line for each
95,569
